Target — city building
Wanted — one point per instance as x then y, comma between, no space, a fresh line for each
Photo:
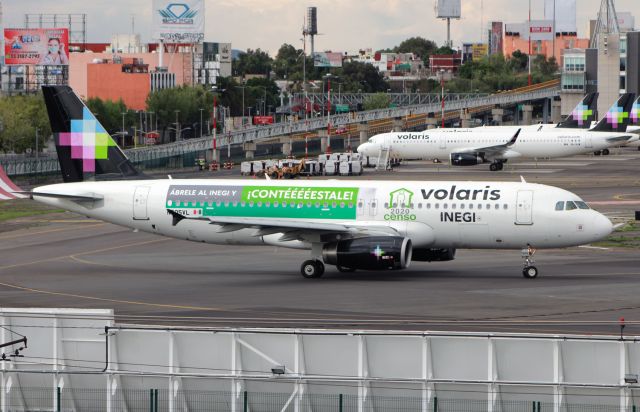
128,80
391,64
444,63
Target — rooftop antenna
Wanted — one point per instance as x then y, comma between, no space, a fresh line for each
606,24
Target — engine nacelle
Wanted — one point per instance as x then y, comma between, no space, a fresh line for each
369,253
434,255
465,159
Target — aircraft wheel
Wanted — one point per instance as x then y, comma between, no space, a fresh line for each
493,167
605,152
530,272
500,166
312,269
345,269
597,153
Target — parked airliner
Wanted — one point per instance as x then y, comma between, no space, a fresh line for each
376,225
496,145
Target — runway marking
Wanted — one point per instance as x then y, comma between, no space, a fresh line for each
51,231
594,247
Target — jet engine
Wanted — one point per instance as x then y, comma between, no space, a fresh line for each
369,253
434,255
466,159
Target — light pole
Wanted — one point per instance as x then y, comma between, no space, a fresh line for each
201,110
177,125
328,76
442,95
242,87
37,143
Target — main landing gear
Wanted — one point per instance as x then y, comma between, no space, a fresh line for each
496,166
529,271
312,269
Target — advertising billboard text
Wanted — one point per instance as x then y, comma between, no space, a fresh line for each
178,22
327,59
36,46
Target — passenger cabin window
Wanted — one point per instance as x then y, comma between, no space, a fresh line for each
560,206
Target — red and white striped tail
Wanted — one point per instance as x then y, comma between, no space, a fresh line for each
7,187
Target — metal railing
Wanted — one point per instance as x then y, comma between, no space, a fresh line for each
154,400
264,133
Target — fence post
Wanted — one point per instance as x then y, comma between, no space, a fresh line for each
156,400
58,399
539,406
151,400
340,404
435,404
245,403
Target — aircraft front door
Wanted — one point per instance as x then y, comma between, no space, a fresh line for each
140,197
524,208
443,141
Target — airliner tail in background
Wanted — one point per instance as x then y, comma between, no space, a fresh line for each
583,114
85,150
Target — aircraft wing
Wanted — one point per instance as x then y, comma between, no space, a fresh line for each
291,229
495,151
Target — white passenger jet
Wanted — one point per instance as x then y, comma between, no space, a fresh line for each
496,145
376,225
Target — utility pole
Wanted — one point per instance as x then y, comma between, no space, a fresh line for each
177,126
554,36
201,110
123,131
36,144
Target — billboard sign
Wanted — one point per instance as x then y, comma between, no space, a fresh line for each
496,42
538,30
449,9
262,120
327,59
564,15
178,22
479,50
36,46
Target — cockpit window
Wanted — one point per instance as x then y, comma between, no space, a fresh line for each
560,206
571,206
582,205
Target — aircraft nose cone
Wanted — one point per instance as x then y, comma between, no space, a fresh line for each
364,149
602,226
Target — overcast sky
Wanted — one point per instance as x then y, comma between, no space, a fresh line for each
345,25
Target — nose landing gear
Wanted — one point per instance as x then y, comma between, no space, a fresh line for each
529,271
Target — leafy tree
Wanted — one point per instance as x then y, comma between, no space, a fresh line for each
109,114
187,101
419,46
253,62
519,61
444,50
546,67
377,101
361,76
19,118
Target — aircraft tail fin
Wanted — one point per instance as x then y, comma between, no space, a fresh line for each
85,150
583,114
635,111
617,118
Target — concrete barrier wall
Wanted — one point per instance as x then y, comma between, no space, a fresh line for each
72,350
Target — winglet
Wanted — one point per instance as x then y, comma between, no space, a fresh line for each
522,179
514,138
